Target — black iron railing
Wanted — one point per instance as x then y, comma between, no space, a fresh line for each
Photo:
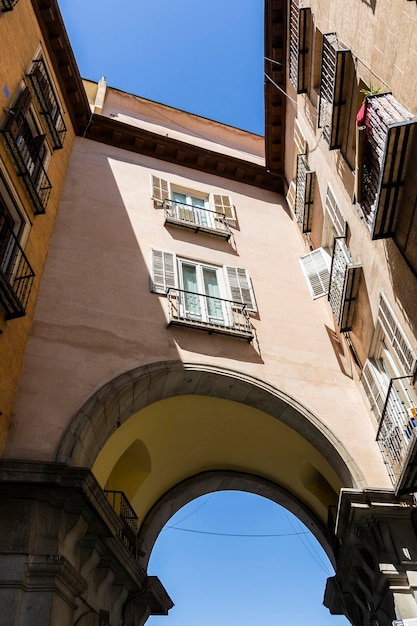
210,313
16,275
196,218
40,86
398,426
25,150
7,5
128,532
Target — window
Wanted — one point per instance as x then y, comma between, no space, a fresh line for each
384,166
16,274
25,141
204,295
211,213
387,379
343,284
300,46
304,194
41,88
333,90
334,220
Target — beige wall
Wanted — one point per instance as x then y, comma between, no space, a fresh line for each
20,38
96,317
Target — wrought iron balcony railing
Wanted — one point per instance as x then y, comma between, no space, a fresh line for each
209,313
40,86
343,285
397,433
7,5
196,218
388,130
16,275
128,517
24,150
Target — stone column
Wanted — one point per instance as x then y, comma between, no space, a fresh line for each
375,545
62,555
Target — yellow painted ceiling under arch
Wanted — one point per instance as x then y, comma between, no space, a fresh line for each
171,440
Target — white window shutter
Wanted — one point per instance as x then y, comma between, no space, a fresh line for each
299,139
223,204
336,215
396,336
160,190
240,286
290,197
163,271
316,270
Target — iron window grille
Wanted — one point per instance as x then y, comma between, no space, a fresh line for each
7,5
304,193
332,89
40,86
16,274
299,50
387,134
343,284
24,149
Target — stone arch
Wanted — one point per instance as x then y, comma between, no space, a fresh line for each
208,482
130,392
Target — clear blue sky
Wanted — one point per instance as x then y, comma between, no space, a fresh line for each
207,58
199,56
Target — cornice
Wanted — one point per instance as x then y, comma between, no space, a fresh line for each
111,132
62,57
134,139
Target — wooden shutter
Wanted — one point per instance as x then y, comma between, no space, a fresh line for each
316,270
396,336
159,189
240,286
290,197
163,271
336,215
223,204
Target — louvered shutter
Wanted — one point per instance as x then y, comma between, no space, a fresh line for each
163,271
336,215
396,336
316,270
240,286
223,204
290,197
159,189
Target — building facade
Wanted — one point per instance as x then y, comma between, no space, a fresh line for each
217,310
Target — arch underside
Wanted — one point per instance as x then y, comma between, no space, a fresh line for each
168,432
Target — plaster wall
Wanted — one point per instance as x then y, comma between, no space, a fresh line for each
96,317
20,38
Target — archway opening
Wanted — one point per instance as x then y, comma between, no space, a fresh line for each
235,558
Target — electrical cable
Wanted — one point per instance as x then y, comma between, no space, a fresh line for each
206,532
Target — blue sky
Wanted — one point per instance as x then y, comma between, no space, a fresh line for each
202,57
207,58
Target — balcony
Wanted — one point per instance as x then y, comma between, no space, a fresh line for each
209,313
343,285
196,218
128,532
7,5
397,434
16,275
24,149
40,86
385,145
304,193
333,90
